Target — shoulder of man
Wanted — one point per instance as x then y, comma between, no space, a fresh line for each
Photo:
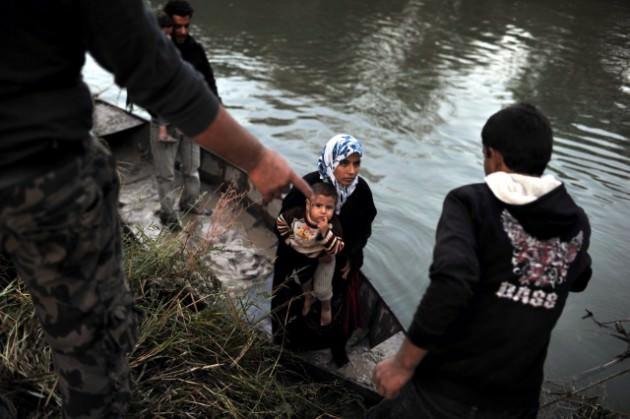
470,192
476,198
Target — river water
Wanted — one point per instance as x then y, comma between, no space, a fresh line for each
415,81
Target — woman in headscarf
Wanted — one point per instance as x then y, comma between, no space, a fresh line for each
339,164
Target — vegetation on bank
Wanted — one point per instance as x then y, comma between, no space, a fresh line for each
196,356
585,400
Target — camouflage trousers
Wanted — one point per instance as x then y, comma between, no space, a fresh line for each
61,231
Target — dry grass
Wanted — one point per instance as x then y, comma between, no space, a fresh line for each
196,356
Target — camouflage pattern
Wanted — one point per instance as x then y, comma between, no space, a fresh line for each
61,231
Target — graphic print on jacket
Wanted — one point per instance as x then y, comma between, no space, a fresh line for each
537,263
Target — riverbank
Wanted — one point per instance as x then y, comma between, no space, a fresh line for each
198,354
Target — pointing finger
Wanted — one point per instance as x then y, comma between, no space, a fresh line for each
301,185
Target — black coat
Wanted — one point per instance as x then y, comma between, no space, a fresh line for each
193,52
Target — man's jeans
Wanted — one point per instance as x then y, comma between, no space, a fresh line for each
164,154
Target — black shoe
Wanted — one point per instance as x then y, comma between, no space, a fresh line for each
170,221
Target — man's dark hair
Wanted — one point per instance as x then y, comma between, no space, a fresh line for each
164,20
179,8
325,189
524,137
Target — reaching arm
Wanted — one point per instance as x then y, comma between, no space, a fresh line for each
391,374
295,197
454,273
267,170
124,38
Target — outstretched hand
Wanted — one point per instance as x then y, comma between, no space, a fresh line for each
390,376
269,172
272,176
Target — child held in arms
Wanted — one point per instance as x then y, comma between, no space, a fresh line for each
314,234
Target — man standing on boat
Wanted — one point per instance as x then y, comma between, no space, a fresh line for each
166,148
58,186
181,12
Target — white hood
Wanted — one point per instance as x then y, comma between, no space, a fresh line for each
516,189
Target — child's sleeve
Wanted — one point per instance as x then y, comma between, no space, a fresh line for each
333,241
283,225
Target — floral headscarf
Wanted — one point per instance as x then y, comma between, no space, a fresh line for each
338,148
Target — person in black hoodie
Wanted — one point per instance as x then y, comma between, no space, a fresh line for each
507,253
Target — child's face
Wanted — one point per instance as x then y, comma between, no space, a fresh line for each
321,207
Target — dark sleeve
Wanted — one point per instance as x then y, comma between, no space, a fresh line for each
368,210
453,275
334,238
206,70
582,263
123,37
